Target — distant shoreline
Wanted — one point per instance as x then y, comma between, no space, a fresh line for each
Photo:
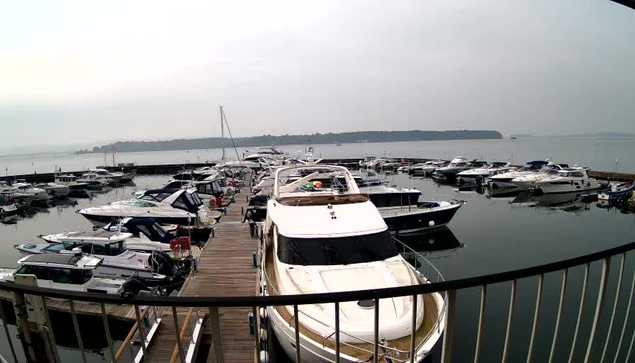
314,139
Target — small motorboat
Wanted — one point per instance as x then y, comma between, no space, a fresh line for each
448,174
616,191
57,191
479,175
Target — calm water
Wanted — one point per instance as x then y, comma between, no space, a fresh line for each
595,152
487,235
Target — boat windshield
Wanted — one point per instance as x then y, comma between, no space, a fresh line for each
336,250
111,249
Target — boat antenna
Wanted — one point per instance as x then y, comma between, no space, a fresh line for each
223,117
222,133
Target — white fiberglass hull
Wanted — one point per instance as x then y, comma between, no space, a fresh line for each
570,187
316,352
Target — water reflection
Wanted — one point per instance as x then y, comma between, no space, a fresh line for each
441,243
571,202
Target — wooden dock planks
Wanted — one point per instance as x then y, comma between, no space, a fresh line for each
225,268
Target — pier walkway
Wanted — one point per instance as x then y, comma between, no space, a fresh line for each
225,268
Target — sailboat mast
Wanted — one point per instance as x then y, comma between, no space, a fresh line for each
222,133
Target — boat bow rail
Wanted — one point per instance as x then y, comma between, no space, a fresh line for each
598,341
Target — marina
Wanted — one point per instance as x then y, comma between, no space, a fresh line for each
228,261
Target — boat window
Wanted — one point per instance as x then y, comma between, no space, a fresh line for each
156,196
54,248
61,276
159,230
143,204
179,203
40,273
336,251
194,199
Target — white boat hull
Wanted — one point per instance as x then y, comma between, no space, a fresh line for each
314,352
572,187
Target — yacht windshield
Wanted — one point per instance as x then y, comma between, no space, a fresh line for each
337,250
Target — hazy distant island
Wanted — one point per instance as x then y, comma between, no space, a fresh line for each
317,138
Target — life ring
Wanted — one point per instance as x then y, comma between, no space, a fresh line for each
175,244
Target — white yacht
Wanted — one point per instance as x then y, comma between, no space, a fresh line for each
94,181
324,238
71,272
70,181
113,177
427,168
55,190
503,180
479,175
137,234
449,173
31,194
166,206
528,181
566,181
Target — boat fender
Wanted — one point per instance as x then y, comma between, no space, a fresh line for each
431,224
263,314
263,335
264,357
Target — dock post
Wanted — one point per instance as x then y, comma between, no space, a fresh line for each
34,335
216,348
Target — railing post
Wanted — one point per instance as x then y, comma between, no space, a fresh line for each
298,343
104,318
78,333
413,331
216,348
510,320
256,313
541,281
337,332
580,311
617,299
556,329
626,317
448,335
481,322
376,336
179,344
142,333
606,265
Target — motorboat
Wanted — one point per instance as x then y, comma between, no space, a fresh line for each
28,193
479,175
567,181
529,180
117,260
263,153
70,272
57,191
166,206
114,177
70,181
503,180
617,190
94,180
448,174
427,168
138,234
328,237
8,209
402,211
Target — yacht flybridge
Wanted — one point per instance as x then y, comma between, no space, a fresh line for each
323,236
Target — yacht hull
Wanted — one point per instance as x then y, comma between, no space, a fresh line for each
566,187
418,219
313,351
102,220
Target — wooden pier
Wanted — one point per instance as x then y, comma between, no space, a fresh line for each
225,268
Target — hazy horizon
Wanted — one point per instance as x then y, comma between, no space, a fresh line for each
76,73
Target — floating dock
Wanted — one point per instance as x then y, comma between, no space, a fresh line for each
225,268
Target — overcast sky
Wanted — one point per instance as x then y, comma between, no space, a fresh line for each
82,72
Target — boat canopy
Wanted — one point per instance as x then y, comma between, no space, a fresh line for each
148,227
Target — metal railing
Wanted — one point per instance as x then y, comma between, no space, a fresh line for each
599,346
